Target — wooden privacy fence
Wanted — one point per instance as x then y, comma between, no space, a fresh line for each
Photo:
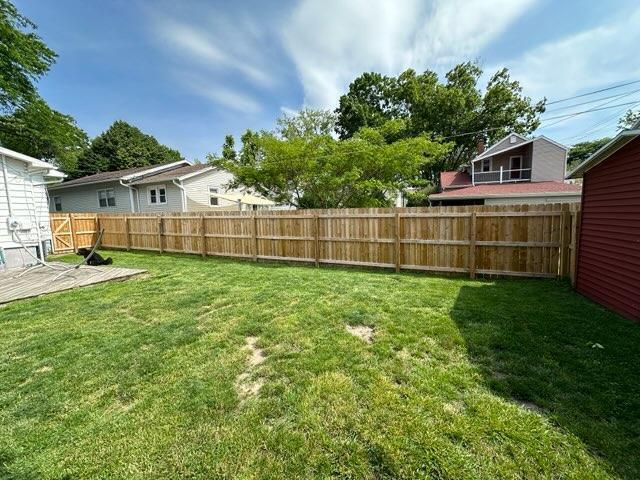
521,240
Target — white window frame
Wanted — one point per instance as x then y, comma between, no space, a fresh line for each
157,189
56,203
106,197
217,190
489,163
515,175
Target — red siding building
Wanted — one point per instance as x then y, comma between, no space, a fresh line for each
608,261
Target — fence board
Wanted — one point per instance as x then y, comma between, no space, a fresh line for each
519,240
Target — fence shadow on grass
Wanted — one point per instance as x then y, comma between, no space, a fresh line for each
540,344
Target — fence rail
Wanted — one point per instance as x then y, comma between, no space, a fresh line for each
519,240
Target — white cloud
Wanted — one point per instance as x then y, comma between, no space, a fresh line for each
222,95
216,46
582,62
333,41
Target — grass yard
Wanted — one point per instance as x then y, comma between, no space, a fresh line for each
222,369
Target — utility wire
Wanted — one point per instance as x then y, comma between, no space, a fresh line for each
593,92
619,95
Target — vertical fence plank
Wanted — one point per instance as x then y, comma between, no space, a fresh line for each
72,229
203,235
126,233
398,250
316,240
254,235
160,225
472,245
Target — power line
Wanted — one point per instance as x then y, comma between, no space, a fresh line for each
619,95
587,111
593,92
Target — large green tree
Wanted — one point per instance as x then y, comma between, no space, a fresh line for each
123,146
453,109
579,152
308,168
24,58
44,133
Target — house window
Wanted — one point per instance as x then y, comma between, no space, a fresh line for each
107,198
157,195
57,204
486,165
213,200
515,165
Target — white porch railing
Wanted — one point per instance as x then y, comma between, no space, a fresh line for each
502,176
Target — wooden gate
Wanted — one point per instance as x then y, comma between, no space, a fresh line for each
72,231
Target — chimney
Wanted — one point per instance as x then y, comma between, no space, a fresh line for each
480,145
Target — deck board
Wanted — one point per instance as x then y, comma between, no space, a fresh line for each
40,281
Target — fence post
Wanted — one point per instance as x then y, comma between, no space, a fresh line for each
74,240
472,244
573,262
254,234
203,235
398,250
565,233
316,243
126,232
160,220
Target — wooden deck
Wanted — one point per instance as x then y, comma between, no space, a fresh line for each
41,280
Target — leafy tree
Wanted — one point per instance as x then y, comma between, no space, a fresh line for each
44,133
123,146
311,170
629,120
24,58
442,110
306,123
579,152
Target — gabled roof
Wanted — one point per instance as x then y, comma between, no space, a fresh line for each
490,153
606,151
180,173
493,147
126,174
505,190
33,162
454,179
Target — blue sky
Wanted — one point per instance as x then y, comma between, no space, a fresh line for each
192,71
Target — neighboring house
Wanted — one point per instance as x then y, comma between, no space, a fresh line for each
608,260
514,170
25,231
173,187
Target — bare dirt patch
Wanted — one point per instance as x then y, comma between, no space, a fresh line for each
531,406
361,331
246,386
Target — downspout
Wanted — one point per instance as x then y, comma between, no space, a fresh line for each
133,209
6,185
183,196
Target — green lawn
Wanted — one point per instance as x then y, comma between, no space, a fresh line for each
151,377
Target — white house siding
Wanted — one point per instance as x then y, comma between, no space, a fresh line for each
84,198
197,190
549,163
29,206
533,200
174,198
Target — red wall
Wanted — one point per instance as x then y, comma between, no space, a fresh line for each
609,248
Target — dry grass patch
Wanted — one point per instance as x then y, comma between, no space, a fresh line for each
361,331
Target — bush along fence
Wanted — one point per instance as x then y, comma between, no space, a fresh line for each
520,240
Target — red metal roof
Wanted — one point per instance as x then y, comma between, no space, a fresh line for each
509,189
454,179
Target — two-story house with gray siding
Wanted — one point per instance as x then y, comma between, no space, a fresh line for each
173,187
515,169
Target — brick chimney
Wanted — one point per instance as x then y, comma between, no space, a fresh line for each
480,145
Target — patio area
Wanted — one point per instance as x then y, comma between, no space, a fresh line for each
16,285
